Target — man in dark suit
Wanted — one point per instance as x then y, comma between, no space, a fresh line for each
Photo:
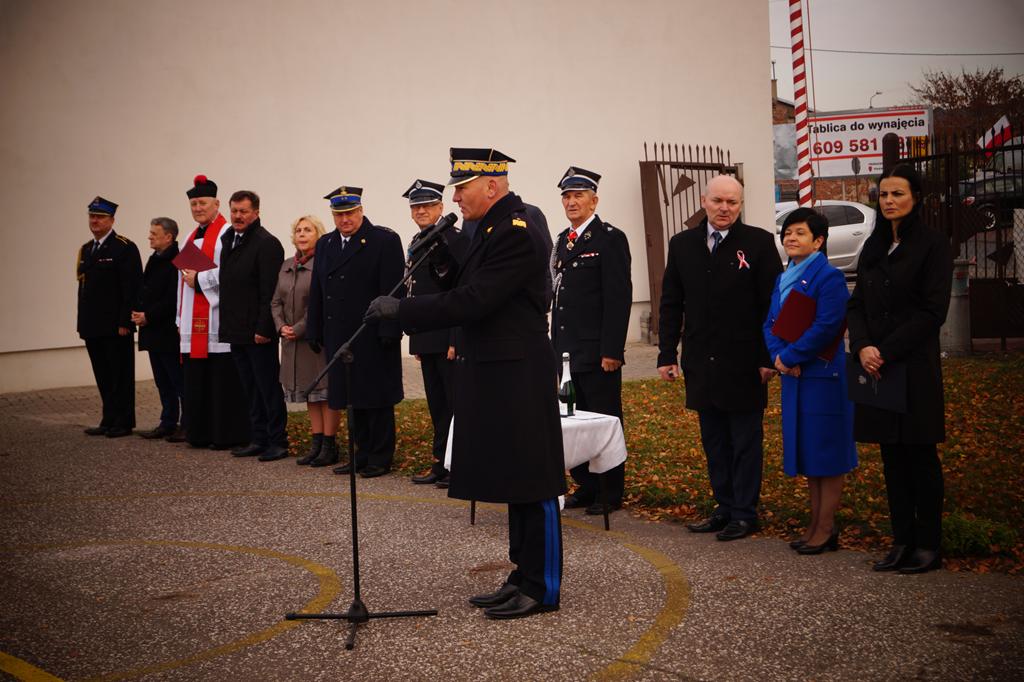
719,279
353,265
590,268
507,445
158,334
435,349
251,257
109,271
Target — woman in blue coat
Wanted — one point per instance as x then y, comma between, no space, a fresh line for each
817,417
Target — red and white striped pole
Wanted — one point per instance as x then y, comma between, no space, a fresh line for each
803,148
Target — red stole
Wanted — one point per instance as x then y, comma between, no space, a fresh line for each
200,306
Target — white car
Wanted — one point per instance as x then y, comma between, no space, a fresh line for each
849,224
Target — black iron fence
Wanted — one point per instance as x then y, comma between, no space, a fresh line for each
672,180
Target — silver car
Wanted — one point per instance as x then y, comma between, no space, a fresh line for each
849,223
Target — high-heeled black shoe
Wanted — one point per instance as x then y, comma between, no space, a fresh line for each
797,544
898,556
921,561
832,544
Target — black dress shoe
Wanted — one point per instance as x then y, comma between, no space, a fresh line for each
831,544
518,606
443,483
597,509
96,431
372,471
344,468
712,524
118,432
921,561
273,453
896,558
250,450
736,530
797,544
426,478
158,432
499,596
177,437
573,502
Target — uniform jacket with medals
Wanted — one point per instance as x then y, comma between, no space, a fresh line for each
421,284
507,441
344,283
248,277
108,286
158,299
593,296
899,306
724,299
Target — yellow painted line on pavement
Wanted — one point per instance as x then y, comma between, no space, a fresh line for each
329,589
631,663
22,670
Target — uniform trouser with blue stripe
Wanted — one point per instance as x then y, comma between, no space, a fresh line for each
535,547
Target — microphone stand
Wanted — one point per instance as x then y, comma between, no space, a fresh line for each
357,612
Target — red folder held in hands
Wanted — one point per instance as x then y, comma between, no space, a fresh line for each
191,258
797,316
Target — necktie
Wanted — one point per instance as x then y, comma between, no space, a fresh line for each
238,240
716,237
344,243
95,246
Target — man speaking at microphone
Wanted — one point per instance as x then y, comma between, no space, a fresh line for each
434,349
496,296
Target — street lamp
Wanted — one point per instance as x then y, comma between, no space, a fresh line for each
870,101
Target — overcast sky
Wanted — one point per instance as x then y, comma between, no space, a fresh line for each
847,81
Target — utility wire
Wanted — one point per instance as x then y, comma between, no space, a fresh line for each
913,54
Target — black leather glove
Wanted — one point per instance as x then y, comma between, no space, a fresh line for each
382,308
315,346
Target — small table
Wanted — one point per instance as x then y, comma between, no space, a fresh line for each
586,437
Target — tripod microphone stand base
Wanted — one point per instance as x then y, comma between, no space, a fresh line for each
356,615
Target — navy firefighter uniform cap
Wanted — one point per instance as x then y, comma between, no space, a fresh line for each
469,164
101,206
578,179
345,199
424,192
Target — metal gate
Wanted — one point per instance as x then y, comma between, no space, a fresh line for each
672,179
976,197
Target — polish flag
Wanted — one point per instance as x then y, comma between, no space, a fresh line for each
997,135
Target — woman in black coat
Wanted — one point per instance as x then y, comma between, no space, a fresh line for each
894,316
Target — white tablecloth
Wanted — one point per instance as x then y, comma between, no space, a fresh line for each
586,436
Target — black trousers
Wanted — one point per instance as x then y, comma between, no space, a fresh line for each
438,377
913,481
170,384
535,547
374,436
259,370
733,446
216,412
113,366
600,392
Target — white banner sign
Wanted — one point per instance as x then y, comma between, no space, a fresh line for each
847,140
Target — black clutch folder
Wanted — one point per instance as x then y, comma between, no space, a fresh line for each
888,393
797,316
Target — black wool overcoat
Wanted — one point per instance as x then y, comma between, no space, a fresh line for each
158,299
421,284
248,277
899,305
507,444
725,299
344,283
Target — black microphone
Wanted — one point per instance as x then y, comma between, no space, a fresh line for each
433,234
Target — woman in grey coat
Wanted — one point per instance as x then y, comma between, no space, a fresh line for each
299,363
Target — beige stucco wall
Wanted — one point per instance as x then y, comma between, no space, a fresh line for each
130,99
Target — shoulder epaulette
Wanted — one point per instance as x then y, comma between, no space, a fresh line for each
124,240
518,222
